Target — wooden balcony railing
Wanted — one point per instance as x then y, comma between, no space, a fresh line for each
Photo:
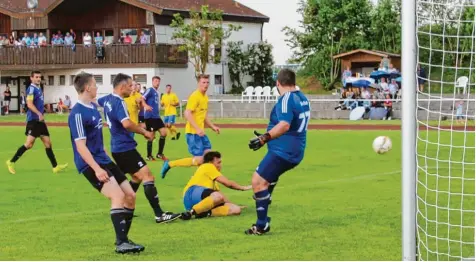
115,55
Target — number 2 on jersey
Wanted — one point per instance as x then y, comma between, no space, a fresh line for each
305,121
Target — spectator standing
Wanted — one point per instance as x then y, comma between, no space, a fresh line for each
42,40
22,103
87,40
7,97
68,39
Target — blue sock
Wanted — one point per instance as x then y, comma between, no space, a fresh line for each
262,203
271,187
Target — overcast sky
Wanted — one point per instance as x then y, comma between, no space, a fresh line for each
278,20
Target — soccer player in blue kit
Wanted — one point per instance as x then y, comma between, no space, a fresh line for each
91,159
123,145
286,139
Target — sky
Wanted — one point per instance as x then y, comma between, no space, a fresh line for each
278,19
272,30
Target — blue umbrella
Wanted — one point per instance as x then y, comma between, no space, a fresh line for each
379,74
394,75
398,79
361,83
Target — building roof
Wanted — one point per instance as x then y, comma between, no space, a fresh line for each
18,8
372,52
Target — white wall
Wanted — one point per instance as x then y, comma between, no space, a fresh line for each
249,33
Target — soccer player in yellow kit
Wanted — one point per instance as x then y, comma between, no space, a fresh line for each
170,102
133,103
202,196
196,114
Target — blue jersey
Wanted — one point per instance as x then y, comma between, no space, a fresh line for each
85,122
151,97
292,107
34,94
115,112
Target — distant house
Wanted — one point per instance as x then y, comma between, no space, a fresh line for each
364,61
113,19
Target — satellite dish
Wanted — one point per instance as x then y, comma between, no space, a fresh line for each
32,4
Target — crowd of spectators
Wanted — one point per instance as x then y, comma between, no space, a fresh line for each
34,40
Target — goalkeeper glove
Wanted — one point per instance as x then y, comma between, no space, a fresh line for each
259,141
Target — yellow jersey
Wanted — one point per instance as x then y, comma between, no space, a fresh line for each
198,104
133,107
205,176
168,100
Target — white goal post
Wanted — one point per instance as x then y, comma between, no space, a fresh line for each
438,162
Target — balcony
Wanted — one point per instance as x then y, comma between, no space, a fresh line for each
116,56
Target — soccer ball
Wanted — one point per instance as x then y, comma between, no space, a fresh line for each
382,144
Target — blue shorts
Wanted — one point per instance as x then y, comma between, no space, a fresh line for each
193,196
169,119
198,144
273,166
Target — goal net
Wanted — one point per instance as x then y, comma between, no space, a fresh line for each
445,140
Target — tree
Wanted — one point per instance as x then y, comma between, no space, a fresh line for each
329,27
204,31
386,26
236,65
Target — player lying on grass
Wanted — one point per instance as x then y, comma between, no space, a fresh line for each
196,114
91,159
124,147
286,139
35,126
202,196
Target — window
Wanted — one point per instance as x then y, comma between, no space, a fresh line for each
109,36
131,32
62,80
51,80
112,78
217,54
72,79
142,79
98,79
218,80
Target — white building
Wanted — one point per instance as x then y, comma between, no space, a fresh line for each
59,64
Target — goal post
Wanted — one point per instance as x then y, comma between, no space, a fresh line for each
408,69
438,137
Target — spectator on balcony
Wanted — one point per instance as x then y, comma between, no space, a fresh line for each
57,40
59,34
383,84
11,40
392,69
128,39
144,39
1,41
34,40
99,40
42,40
73,34
26,39
68,39
87,41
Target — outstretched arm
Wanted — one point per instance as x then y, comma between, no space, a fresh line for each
232,184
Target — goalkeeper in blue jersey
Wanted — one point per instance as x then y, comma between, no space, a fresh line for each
286,139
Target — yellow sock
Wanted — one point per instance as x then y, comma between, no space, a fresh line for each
173,130
204,205
220,211
184,162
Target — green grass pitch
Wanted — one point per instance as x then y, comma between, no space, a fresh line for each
341,203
